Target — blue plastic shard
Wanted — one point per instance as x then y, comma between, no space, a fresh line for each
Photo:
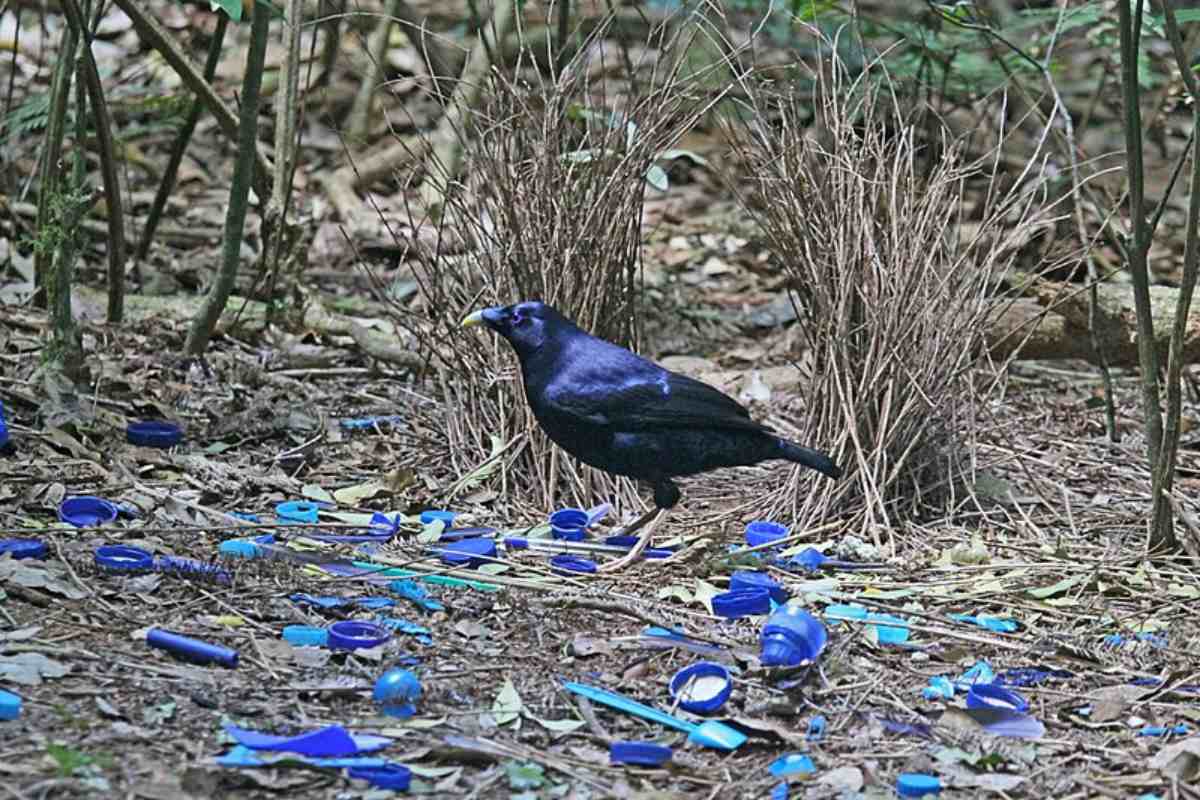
415,593
997,624
333,740
816,728
241,756
792,764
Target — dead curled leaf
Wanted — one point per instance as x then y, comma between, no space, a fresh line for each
1179,760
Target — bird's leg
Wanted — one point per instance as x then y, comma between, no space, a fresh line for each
645,524
666,495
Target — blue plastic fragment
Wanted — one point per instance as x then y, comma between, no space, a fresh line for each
242,756
743,603
792,764
816,728
396,692
1159,730
191,568
189,649
915,784
239,548
331,741
23,548
655,636
10,705
644,754
244,515
1030,676
889,629
362,423
809,558
996,624
395,777
573,564
981,672
779,791
940,688
415,593
995,695
383,525
3,428
327,601
469,553
305,636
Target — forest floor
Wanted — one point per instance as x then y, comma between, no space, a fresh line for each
1041,559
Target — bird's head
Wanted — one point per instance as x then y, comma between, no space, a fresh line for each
527,326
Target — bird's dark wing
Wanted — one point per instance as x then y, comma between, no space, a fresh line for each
650,398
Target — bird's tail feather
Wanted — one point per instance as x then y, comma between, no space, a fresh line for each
810,458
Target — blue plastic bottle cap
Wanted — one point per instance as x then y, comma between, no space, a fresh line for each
791,637
85,511
741,604
10,705
748,579
701,688
569,524
646,754
468,552
119,558
395,692
356,634
432,514
396,777
305,636
23,548
569,563
763,532
302,511
916,784
154,433
993,695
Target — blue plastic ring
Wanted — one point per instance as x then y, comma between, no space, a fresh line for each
121,558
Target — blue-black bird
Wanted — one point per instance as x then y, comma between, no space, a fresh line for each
618,412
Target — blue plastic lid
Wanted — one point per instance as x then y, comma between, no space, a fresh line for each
85,511
916,784
297,511
431,514
396,777
570,563
468,552
121,558
23,548
763,532
749,579
646,754
356,634
395,691
305,636
741,603
154,433
10,705
701,688
994,695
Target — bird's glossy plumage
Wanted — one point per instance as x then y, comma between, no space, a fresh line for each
621,413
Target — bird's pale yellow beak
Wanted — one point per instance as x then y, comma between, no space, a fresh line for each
473,319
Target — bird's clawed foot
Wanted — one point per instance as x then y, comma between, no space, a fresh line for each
645,524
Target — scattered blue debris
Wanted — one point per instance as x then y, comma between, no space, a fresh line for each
1159,730
363,423
996,624
792,764
816,728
